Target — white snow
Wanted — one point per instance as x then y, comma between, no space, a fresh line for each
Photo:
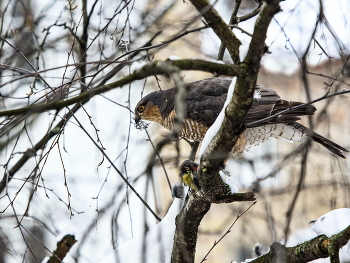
68,230
246,261
173,57
212,60
333,222
228,180
329,224
137,65
158,240
257,94
217,124
211,133
300,236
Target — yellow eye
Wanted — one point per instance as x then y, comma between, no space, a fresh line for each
141,108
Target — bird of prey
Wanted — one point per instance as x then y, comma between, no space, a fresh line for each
204,101
188,174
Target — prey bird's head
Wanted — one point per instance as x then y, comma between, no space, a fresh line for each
188,166
188,174
153,107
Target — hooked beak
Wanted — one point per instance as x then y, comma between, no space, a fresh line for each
137,118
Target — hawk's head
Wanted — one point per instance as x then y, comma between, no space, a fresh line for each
154,107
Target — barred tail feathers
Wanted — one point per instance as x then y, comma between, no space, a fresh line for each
290,132
330,145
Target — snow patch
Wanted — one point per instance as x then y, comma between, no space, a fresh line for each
217,124
213,60
257,94
333,222
70,230
246,261
299,236
173,57
228,180
137,65
328,224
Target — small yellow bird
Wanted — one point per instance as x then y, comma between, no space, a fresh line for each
188,174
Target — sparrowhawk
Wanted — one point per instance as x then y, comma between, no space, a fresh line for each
204,101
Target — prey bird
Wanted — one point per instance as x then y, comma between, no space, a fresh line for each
188,174
204,101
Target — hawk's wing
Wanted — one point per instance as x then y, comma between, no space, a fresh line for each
206,98
267,103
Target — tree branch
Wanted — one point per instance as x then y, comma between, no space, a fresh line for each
232,19
319,247
187,223
152,68
232,126
62,249
213,189
221,29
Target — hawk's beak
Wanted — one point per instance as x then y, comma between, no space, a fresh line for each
137,118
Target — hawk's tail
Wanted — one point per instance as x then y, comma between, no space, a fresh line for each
331,146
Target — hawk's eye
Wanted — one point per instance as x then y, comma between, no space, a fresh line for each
141,108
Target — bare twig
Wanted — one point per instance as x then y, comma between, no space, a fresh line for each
227,232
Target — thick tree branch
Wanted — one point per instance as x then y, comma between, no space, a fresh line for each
237,197
213,189
221,29
187,223
256,47
62,249
234,20
152,68
232,126
319,247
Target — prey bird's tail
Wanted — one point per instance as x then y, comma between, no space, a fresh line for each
331,146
